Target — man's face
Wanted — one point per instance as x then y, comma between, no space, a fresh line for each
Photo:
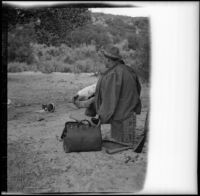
108,62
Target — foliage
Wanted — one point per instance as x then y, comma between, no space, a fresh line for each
57,23
68,39
17,67
51,24
19,40
65,59
89,34
84,58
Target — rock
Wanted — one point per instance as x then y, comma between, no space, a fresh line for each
67,168
128,158
9,102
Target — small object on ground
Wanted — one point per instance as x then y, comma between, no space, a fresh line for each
112,151
40,119
8,102
137,149
58,138
122,146
112,143
111,146
40,111
128,158
48,107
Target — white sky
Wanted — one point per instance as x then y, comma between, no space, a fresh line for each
133,12
172,152
116,11
142,10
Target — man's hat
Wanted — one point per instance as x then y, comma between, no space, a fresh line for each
112,52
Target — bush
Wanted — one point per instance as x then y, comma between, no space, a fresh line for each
123,45
86,65
65,59
47,66
66,70
85,51
64,67
84,58
17,67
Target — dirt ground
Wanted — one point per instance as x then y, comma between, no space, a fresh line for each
36,161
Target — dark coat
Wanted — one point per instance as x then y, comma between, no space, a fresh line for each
117,93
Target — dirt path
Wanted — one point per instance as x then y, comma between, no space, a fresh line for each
37,162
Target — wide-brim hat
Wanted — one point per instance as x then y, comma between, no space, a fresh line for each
112,52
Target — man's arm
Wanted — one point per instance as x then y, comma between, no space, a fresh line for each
84,104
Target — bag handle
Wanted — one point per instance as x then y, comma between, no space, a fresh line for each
82,122
90,123
99,123
96,125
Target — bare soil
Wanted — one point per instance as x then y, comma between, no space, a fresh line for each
36,160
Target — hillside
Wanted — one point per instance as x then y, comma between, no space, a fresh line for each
130,22
118,27
32,47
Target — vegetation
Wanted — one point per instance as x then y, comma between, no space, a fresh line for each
69,39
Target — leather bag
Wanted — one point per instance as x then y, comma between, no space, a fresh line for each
81,137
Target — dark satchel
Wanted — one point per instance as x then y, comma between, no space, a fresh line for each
81,136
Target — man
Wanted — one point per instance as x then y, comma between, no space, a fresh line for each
117,97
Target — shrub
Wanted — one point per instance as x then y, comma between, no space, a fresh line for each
47,66
17,67
86,65
79,59
68,59
64,67
85,51
123,45
84,58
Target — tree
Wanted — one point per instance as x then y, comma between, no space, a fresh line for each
51,24
19,39
89,34
11,16
57,23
